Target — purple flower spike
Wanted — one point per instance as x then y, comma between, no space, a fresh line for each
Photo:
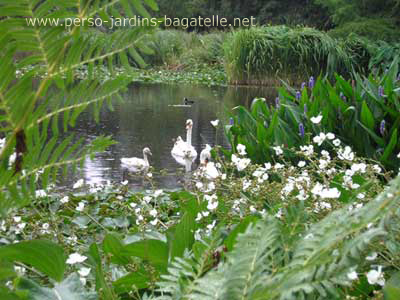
277,103
342,96
382,127
311,82
305,108
380,91
231,122
298,95
301,130
303,85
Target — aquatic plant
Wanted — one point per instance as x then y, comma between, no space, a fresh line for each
354,111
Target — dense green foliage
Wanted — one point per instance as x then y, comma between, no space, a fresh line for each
299,226
363,114
375,19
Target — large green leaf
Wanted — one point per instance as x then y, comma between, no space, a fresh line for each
181,236
366,116
153,251
138,279
390,147
392,288
112,244
69,289
101,285
44,256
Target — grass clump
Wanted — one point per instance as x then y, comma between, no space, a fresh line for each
260,55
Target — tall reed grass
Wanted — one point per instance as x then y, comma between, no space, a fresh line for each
180,49
263,55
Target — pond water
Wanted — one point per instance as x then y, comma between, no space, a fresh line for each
147,119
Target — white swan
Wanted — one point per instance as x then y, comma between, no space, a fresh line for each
205,155
136,164
183,152
207,168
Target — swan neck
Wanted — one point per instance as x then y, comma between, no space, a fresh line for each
145,158
189,136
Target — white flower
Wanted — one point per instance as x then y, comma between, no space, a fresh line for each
150,175
330,193
17,219
376,277
359,168
307,150
398,155
75,258
64,199
346,154
372,256
133,205
84,271
81,206
223,176
125,182
215,123
278,166
309,236
279,214
317,189
241,149
154,222
316,120
241,163
153,213
361,196
199,185
330,136
45,226
323,164
377,169
199,217
158,193
212,225
147,199
78,184
21,227
278,150
20,270
40,193
319,139
139,219
352,275
267,166
212,205
336,142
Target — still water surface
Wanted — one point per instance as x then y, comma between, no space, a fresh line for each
147,119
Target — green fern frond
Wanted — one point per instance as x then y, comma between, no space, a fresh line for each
316,267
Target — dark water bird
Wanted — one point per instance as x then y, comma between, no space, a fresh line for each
187,101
